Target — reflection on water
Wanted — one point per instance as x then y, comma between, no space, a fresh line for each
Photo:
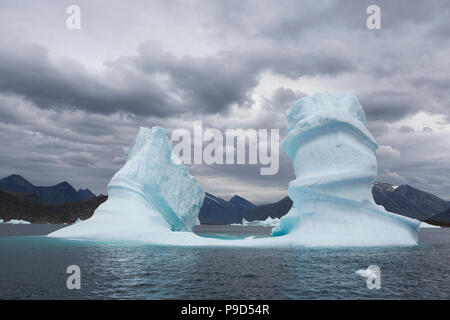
35,267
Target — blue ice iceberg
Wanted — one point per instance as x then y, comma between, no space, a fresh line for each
333,154
152,195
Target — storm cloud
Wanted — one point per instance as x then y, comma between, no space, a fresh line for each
154,82
71,101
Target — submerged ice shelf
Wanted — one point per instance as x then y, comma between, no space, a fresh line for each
153,198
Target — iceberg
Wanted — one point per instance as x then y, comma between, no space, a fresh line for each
333,154
154,199
151,196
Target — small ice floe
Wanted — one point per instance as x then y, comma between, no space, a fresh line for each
427,225
249,238
269,222
121,260
15,221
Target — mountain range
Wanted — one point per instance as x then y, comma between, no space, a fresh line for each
441,219
404,200
24,206
58,194
61,203
219,211
272,210
408,201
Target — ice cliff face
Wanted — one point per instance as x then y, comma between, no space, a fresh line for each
153,192
333,154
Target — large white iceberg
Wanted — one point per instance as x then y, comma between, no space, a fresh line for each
333,154
151,196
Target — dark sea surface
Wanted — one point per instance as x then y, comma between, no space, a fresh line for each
34,267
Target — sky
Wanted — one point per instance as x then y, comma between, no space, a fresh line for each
71,101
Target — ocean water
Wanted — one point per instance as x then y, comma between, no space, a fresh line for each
34,267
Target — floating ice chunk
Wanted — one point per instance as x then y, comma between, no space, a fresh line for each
269,222
333,154
427,225
15,221
152,193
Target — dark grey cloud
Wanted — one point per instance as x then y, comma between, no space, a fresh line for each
289,20
48,148
434,175
389,105
79,159
441,29
282,98
28,71
71,102
215,82
406,129
378,128
155,82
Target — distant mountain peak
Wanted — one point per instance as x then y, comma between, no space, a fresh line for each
272,210
65,186
64,183
60,193
85,194
16,179
237,200
216,210
407,200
